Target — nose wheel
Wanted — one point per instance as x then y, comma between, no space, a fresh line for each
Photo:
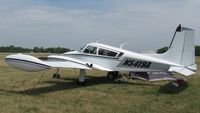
57,75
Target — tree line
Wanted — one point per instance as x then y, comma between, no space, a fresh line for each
14,49
164,49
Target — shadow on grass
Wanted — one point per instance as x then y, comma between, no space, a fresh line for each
172,89
71,83
59,85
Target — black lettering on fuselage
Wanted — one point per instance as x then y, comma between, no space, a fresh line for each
143,64
137,64
126,62
131,63
148,65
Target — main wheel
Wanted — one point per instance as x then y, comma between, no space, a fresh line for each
112,75
83,83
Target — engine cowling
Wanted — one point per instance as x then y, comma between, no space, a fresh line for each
26,63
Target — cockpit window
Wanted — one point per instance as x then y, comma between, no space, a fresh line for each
90,50
105,52
81,48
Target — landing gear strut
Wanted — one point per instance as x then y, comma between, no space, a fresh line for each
57,75
81,80
112,75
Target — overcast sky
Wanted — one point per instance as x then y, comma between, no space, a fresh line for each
143,24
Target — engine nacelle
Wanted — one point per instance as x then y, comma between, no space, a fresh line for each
26,63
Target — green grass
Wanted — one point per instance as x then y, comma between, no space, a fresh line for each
24,92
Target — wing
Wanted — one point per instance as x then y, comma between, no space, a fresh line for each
69,62
66,64
32,64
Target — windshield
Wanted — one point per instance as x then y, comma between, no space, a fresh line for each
81,48
90,50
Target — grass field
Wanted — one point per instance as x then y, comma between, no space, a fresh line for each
24,92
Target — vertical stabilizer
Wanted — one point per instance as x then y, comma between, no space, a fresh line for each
181,49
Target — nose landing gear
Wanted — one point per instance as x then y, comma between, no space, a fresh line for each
57,75
81,80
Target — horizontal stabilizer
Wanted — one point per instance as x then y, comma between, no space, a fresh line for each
192,67
152,76
182,70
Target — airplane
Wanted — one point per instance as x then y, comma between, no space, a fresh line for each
179,58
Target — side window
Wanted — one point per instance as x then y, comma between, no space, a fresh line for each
111,53
105,52
120,54
102,52
90,50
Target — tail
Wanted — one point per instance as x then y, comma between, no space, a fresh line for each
182,51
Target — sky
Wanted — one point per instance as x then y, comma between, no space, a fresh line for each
142,24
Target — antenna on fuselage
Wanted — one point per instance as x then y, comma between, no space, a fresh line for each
97,41
122,45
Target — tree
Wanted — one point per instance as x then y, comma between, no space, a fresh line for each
197,50
36,49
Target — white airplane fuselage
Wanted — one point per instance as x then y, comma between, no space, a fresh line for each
127,61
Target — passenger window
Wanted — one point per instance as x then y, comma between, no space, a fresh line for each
90,50
105,52
111,53
102,52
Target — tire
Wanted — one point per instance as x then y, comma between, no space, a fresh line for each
81,83
111,76
56,76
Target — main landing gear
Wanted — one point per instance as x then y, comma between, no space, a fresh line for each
56,75
112,75
81,80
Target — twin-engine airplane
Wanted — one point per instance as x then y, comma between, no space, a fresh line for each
179,58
